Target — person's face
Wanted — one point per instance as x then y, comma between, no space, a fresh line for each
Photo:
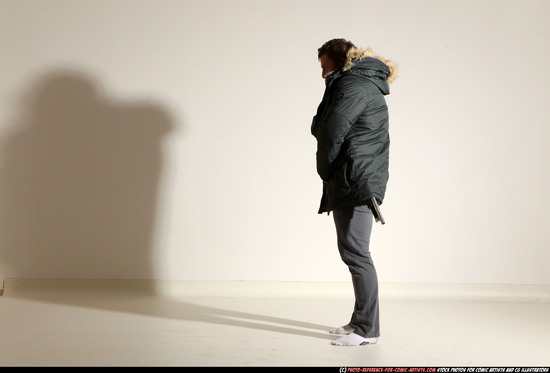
327,65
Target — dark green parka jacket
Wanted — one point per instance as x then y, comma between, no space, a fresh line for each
351,128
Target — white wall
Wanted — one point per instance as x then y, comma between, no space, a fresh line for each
170,139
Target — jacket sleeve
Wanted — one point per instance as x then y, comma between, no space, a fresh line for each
347,102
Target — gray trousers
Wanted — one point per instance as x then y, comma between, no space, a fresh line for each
353,230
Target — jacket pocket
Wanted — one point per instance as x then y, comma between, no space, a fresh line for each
351,172
340,180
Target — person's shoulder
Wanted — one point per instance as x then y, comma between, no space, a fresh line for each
350,82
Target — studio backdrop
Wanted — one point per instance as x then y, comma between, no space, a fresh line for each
170,139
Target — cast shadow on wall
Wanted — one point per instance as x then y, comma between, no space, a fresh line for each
79,182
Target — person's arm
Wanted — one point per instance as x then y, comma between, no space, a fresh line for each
349,101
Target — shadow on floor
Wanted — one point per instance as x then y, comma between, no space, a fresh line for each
137,297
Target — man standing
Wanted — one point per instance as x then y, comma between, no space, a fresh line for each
351,128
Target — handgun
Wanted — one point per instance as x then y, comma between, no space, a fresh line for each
375,208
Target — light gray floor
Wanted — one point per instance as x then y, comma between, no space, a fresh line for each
121,323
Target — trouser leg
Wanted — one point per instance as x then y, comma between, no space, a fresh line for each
353,229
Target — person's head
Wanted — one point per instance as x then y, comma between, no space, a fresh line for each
333,55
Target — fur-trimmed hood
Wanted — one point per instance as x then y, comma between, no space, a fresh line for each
356,55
